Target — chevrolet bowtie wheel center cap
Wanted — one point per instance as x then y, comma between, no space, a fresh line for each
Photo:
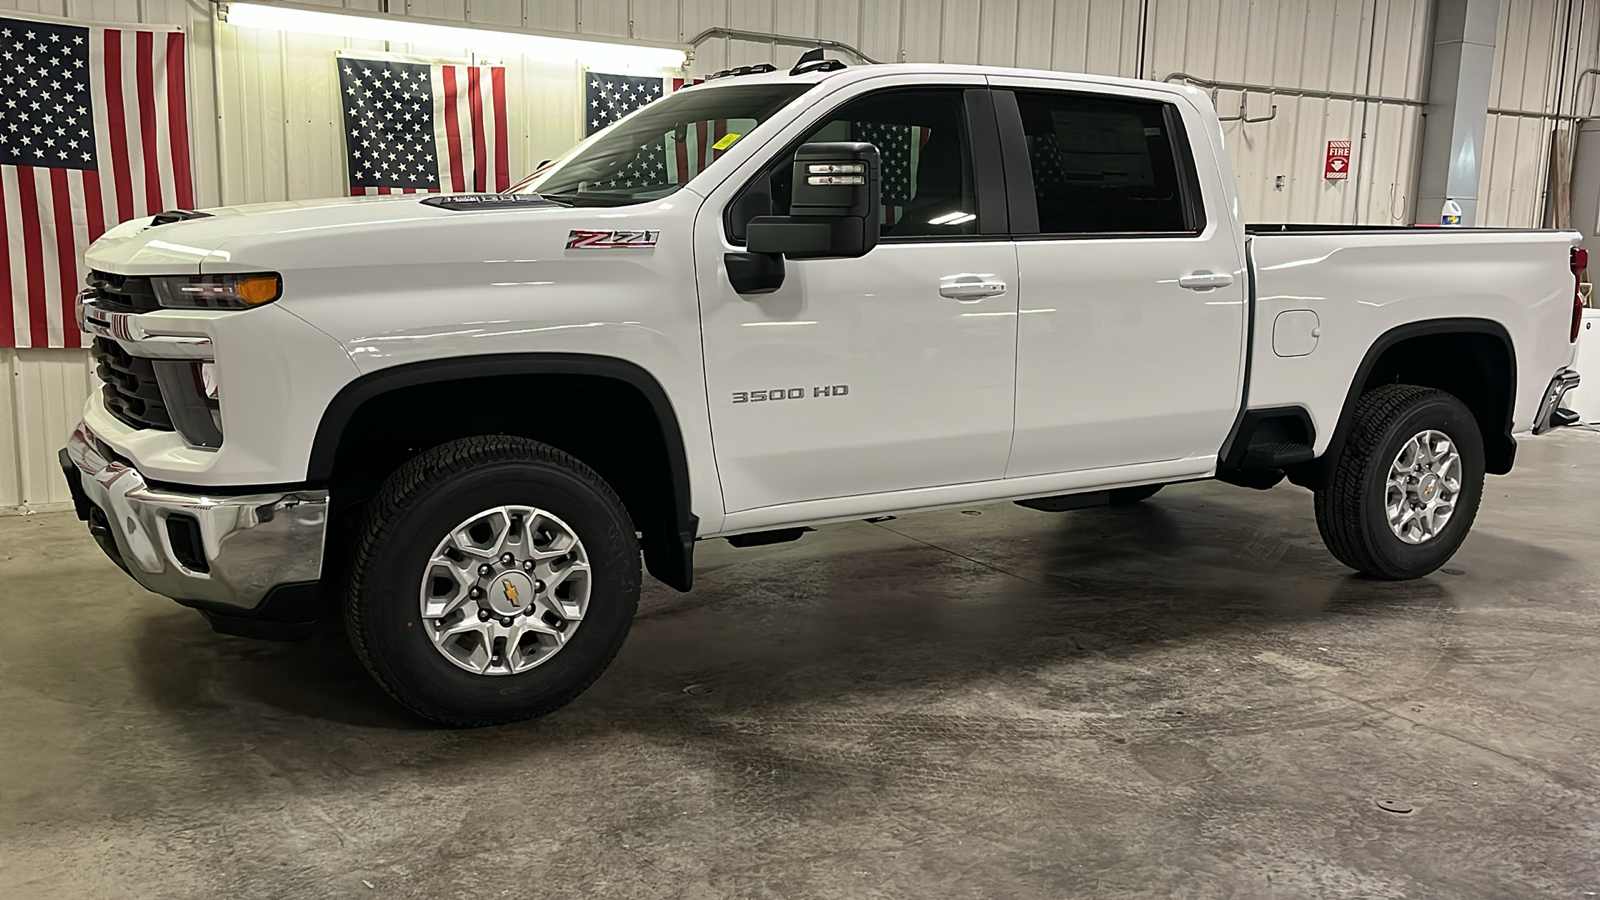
505,590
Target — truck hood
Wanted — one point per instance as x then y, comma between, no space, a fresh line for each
302,234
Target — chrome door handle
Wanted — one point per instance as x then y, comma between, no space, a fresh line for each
1205,281
971,290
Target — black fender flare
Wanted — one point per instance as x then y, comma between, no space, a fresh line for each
669,554
1317,472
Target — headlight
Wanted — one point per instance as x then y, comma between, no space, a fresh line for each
218,291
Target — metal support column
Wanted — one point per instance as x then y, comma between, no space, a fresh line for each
1458,107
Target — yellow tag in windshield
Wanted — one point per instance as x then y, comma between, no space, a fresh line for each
726,142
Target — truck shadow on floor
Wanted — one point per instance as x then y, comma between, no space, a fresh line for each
1082,598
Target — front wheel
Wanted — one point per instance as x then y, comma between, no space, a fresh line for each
494,580
1407,483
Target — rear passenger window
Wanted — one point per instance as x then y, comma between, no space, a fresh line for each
1105,164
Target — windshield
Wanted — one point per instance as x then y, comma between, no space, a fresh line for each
658,149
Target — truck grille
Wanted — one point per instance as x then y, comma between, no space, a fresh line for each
131,392
122,293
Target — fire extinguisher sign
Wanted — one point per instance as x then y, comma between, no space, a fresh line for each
1337,168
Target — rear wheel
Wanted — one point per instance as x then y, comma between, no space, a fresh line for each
494,580
1407,483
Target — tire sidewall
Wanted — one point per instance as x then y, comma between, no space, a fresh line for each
1451,417
392,615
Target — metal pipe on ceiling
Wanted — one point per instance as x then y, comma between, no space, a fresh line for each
1208,84
761,37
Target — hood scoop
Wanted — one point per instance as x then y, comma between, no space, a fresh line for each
177,215
487,202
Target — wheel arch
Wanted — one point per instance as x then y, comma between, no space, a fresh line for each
1482,373
657,491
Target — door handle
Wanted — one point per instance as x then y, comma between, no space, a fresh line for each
971,290
1205,281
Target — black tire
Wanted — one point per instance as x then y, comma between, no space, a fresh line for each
411,513
1123,496
1350,510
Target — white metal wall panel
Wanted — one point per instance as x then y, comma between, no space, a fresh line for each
839,20
1366,47
551,15
10,437
45,393
654,21
880,32
958,31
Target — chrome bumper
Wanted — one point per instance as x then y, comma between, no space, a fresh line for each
1565,380
231,550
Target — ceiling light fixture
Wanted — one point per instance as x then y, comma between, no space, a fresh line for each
621,53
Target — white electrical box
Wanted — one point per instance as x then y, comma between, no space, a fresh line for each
1585,401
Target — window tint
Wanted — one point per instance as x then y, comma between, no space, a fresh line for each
927,159
655,151
1103,164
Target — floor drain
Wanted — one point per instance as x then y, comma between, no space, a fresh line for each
1399,807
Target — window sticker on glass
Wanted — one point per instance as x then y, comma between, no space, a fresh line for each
726,142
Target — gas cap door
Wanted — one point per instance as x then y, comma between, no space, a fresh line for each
1295,332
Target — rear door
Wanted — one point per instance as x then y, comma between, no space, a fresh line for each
1132,311
886,373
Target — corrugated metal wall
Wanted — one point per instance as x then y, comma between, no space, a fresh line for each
1540,47
278,135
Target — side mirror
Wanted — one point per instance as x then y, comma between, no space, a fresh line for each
833,207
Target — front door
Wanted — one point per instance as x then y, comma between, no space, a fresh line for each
889,372
1132,316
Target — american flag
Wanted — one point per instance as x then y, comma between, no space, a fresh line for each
94,131
900,153
666,160
418,126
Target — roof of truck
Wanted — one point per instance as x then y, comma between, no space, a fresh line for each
879,70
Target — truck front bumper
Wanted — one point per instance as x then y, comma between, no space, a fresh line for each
252,558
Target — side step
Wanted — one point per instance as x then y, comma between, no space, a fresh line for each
763,538
1066,502
1276,454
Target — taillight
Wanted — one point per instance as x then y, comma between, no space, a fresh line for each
1580,266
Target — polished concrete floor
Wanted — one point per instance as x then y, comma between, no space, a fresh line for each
1188,698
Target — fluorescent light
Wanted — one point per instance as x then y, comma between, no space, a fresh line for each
377,27
954,218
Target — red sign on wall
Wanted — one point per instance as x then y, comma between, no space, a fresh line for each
1338,165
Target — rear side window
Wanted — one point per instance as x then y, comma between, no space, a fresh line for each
1107,164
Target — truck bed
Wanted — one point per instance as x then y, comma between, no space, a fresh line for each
1328,298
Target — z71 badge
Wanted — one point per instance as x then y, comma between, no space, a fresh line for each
610,240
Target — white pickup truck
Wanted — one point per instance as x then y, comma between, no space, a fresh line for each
778,299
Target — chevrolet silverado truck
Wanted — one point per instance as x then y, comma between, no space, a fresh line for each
778,299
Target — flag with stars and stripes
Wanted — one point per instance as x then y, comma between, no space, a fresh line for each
900,155
424,126
675,157
607,98
94,131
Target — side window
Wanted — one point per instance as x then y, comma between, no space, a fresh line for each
927,159
1105,164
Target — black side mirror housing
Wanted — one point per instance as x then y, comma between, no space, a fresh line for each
833,209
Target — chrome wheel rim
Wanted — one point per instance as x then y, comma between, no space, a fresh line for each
505,590
1424,482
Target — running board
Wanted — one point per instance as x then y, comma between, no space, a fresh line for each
763,538
1066,502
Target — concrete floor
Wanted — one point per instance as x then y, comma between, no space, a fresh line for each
1185,699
